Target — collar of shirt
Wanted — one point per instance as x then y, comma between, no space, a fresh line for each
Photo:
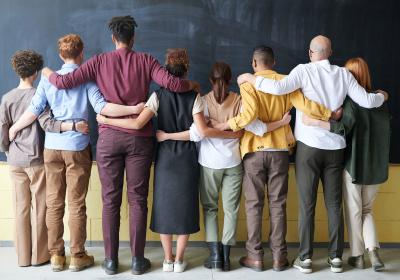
323,63
265,72
69,65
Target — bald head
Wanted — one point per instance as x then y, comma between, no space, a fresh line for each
320,48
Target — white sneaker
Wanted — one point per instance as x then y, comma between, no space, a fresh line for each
168,266
179,266
336,265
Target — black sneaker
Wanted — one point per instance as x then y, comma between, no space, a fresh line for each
336,265
304,266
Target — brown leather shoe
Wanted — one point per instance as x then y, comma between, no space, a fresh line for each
250,263
280,265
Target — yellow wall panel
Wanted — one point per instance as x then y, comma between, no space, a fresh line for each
385,211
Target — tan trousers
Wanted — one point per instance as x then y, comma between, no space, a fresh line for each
358,201
29,196
67,172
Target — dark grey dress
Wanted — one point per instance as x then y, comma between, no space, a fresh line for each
176,174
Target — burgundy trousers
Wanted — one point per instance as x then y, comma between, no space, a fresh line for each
118,151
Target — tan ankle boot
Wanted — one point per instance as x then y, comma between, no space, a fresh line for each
57,263
79,263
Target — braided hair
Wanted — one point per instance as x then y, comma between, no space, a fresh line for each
123,28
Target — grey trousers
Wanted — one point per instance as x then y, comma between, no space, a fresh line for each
313,164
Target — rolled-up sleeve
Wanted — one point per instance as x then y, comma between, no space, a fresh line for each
194,134
95,97
39,99
288,84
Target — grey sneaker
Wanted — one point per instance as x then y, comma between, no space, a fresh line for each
376,262
304,266
357,262
336,265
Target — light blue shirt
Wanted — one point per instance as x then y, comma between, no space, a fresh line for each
67,105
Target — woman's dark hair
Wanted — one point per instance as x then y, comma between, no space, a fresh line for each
220,77
26,63
178,70
177,62
123,28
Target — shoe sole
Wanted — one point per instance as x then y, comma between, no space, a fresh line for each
110,272
279,269
57,268
303,270
79,268
379,269
140,272
336,270
251,267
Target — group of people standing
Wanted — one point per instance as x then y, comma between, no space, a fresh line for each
208,146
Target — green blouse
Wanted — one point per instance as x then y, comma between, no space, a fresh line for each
367,133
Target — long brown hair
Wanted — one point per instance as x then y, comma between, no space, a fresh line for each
359,68
220,77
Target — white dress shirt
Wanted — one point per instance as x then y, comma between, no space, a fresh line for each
326,84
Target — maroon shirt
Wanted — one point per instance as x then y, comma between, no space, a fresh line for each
123,76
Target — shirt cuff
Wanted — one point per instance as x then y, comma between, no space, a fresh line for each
100,106
327,115
194,134
57,126
35,110
233,125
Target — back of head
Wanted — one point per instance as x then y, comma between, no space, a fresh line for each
70,46
123,28
263,58
220,77
26,63
177,62
320,48
359,68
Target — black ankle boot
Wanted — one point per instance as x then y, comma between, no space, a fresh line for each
215,258
226,250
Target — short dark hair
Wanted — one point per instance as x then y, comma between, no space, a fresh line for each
26,63
123,28
264,54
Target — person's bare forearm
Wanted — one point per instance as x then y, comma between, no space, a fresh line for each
25,120
178,136
66,126
116,110
274,125
124,123
215,133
